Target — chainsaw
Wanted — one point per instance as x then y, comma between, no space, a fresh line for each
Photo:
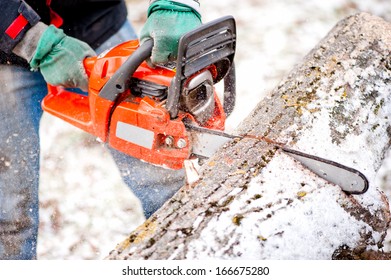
167,114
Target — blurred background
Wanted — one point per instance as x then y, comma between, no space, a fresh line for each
86,210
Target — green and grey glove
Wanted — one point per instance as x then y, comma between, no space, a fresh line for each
167,21
59,57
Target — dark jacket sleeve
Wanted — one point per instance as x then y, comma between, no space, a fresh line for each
16,19
77,3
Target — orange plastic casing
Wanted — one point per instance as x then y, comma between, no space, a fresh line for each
138,126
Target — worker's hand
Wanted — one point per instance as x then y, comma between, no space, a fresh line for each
60,59
167,22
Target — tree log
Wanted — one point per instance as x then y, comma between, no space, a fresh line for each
254,202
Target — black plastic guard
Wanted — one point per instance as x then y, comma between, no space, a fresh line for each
212,43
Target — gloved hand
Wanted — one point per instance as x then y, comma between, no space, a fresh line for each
167,21
60,59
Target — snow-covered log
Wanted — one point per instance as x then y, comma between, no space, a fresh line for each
255,202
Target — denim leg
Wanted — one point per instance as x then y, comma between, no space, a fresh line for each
153,185
21,93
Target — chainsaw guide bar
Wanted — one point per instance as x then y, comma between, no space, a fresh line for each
351,181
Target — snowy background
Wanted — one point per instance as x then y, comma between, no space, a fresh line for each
86,209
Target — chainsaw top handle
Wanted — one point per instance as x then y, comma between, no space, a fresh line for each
119,82
211,43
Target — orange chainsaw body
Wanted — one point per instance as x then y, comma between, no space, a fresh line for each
117,122
141,111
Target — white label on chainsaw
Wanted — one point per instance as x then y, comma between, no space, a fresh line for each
134,134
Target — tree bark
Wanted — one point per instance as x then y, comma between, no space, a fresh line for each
254,202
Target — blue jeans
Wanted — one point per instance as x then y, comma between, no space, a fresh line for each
21,94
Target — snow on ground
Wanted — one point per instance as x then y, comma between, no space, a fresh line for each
86,209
